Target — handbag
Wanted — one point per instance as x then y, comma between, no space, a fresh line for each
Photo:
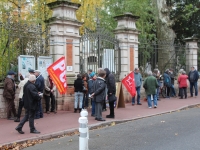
112,98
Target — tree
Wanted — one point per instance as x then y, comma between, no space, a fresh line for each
186,17
87,13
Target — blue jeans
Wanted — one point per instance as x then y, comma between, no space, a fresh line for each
150,101
138,96
39,112
78,98
158,90
173,91
93,107
193,84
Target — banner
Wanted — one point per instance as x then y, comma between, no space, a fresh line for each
57,72
129,83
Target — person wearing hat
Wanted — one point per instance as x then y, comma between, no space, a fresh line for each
39,83
9,94
90,86
31,98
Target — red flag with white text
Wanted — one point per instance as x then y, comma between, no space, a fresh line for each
129,83
57,72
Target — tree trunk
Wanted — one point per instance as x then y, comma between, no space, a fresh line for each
165,35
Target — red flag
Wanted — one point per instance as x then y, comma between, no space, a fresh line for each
129,83
57,72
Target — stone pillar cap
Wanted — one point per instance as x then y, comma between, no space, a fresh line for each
190,39
127,15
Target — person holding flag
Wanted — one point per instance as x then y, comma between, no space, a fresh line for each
138,83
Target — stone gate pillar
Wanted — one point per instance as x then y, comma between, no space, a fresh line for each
191,53
65,41
127,34
64,33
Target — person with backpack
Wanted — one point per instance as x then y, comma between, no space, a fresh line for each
167,82
193,77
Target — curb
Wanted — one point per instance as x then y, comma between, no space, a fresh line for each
70,132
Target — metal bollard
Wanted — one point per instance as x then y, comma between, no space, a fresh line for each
84,131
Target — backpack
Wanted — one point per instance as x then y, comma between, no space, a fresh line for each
167,81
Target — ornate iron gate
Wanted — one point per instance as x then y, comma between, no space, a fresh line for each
20,39
161,54
100,49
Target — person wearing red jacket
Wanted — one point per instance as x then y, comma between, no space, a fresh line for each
182,80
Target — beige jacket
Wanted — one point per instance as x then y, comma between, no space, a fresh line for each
47,87
21,87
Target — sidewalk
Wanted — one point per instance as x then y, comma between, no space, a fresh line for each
63,122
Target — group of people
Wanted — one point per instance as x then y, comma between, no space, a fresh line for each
32,88
96,87
152,85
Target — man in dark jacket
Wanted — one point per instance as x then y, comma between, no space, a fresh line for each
30,98
99,94
193,77
167,82
172,76
111,86
39,83
9,94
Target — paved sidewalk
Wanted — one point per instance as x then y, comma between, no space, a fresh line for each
63,122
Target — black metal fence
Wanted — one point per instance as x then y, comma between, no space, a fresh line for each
100,49
162,55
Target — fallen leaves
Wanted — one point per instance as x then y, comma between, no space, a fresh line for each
112,124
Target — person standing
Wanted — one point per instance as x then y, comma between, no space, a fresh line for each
150,85
78,88
90,86
49,90
172,76
138,83
9,94
21,102
99,94
39,83
156,74
167,82
85,92
111,87
193,77
182,80
179,90
30,98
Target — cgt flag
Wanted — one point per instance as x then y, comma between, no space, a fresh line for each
129,83
57,72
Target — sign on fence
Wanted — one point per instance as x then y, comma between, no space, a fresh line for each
43,62
25,63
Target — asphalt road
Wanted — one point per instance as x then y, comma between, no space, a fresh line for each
173,131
